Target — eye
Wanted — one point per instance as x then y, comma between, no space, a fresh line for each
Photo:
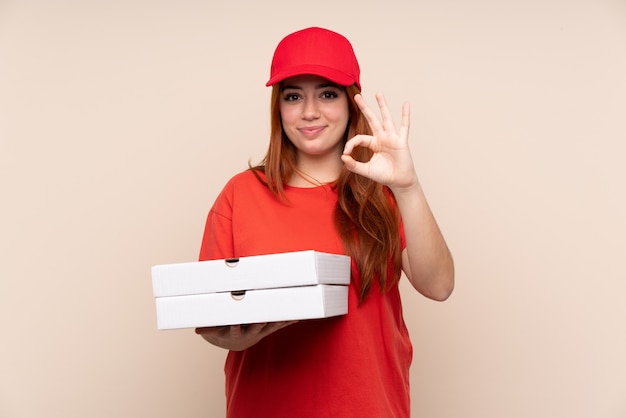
329,94
291,97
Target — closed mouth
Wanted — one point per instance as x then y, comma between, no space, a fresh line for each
311,130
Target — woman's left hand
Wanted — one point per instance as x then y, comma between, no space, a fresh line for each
391,164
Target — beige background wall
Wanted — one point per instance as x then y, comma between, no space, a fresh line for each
121,120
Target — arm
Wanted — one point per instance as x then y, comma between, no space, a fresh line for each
217,243
426,261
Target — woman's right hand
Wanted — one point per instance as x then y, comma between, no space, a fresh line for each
240,337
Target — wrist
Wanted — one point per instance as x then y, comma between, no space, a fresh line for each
407,188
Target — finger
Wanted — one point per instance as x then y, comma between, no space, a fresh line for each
284,324
406,120
385,113
264,329
235,331
368,114
257,328
274,326
357,140
210,330
355,166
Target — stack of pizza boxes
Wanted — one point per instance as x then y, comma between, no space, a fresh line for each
264,288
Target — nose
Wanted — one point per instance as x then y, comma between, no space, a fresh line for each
310,110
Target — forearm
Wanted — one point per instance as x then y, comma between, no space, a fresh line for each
426,261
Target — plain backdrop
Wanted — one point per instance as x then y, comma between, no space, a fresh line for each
120,121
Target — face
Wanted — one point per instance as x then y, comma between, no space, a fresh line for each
314,114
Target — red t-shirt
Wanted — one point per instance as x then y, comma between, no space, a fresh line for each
356,365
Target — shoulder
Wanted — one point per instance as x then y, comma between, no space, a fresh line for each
245,182
249,179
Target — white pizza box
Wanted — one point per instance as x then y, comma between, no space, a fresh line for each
300,268
251,306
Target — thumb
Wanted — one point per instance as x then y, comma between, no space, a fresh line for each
354,165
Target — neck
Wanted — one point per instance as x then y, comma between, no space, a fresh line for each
315,171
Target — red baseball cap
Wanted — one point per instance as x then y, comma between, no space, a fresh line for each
315,51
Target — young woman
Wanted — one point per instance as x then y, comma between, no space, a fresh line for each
335,179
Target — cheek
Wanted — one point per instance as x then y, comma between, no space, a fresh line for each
342,115
286,115
342,112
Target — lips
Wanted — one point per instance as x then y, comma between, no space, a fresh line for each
311,131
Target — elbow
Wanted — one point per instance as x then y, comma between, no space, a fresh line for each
440,287
442,293
445,283
436,282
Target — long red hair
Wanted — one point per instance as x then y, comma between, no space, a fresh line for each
366,217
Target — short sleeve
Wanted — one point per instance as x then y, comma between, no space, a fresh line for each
217,240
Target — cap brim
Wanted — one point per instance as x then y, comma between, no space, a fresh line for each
331,74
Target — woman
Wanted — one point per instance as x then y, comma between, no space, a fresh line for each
335,179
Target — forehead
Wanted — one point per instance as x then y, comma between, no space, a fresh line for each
307,80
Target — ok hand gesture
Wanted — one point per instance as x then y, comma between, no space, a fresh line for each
391,164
